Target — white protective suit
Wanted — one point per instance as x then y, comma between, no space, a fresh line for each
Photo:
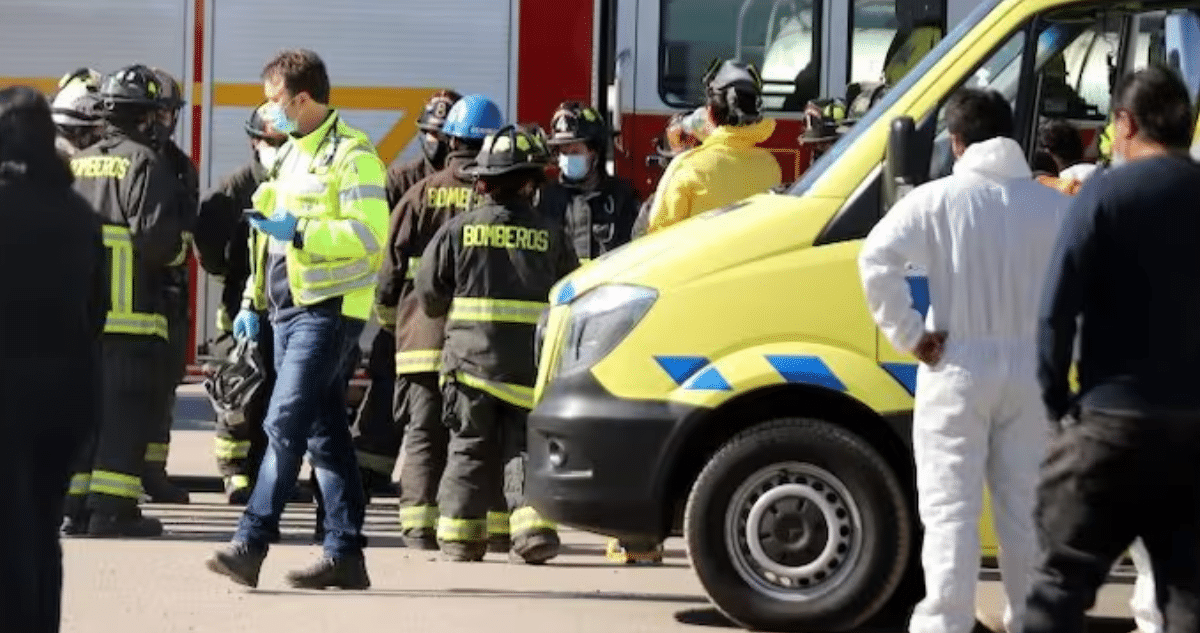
984,235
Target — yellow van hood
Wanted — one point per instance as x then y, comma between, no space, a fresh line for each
755,228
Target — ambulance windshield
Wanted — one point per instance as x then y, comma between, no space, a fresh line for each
818,169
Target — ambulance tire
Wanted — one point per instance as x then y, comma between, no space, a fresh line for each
834,528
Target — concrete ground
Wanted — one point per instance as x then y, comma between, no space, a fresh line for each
161,585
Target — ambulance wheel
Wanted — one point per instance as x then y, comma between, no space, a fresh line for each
798,524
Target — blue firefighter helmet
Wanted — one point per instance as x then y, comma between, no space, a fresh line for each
474,117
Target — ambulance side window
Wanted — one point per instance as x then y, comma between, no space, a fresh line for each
1002,73
781,38
1075,81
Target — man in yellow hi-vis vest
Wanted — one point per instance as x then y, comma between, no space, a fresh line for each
320,220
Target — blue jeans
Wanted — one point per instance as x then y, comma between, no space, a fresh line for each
308,412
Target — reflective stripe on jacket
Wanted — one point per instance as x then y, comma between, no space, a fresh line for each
489,272
333,182
424,209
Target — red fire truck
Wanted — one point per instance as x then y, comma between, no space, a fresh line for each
639,61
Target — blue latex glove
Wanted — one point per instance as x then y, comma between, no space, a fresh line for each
245,325
281,226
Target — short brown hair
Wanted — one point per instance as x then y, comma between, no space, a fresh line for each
302,71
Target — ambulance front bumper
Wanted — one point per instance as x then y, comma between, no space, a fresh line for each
596,461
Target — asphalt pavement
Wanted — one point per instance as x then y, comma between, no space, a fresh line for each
161,586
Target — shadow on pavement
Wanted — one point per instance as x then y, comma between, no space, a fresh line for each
712,618
503,594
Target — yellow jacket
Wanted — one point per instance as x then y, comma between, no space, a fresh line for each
333,181
725,168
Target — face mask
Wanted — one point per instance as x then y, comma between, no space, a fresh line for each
267,155
279,119
435,151
573,166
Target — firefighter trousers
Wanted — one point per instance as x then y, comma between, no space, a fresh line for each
240,440
487,445
107,476
377,435
159,444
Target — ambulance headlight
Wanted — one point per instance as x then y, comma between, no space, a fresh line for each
599,321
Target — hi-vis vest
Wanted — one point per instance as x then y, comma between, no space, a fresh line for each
122,319
309,187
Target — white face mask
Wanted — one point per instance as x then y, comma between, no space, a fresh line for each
267,155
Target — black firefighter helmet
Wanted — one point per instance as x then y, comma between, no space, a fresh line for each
738,85
574,122
235,381
132,86
257,126
510,149
433,117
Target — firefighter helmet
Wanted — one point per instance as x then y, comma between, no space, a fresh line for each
134,85
736,84
675,135
258,127
823,120
235,381
436,110
510,149
575,123
76,105
171,97
473,117
87,77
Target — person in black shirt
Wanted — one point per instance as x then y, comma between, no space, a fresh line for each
1125,264
52,317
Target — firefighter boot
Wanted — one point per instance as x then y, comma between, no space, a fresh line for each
239,561
536,549
160,489
347,572
634,552
237,490
463,551
75,524
420,540
130,523
499,543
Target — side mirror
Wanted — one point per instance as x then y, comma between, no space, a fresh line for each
902,165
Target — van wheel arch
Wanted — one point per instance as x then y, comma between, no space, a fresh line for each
704,437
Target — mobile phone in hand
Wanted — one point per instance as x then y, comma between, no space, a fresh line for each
253,214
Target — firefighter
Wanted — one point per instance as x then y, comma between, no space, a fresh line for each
222,242
176,290
418,400
136,194
596,209
76,111
402,177
675,140
377,434
488,272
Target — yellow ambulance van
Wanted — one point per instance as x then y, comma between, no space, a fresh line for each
723,378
